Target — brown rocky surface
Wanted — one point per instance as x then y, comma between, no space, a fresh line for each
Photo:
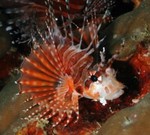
128,30
130,121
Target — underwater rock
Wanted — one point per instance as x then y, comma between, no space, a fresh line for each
10,108
129,121
128,30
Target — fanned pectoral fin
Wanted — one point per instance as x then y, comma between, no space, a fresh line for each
66,102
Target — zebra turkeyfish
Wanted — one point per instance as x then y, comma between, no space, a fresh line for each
60,68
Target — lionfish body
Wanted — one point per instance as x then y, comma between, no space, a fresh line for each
59,70
52,75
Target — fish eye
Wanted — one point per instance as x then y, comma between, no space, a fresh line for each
93,78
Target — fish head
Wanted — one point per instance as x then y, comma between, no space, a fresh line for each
102,85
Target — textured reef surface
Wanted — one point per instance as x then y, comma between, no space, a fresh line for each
128,35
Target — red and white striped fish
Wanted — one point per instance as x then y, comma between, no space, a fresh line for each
58,71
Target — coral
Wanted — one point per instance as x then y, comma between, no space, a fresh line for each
127,31
136,2
141,64
32,128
